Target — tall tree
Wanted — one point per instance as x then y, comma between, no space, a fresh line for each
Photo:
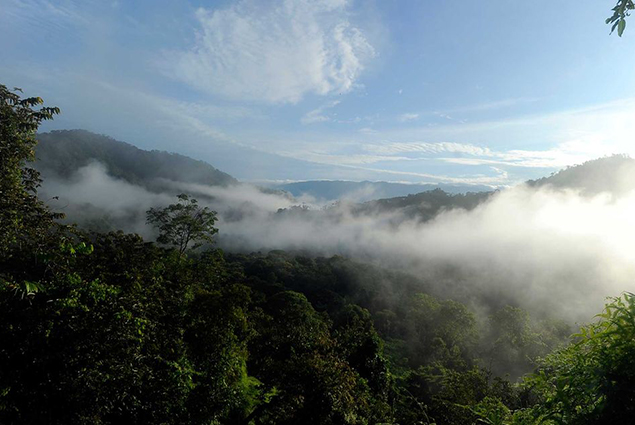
21,213
184,223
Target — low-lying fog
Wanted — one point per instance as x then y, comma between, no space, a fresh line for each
547,249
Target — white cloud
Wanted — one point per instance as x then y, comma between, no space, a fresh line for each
52,17
449,114
497,104
423,147
408,117
350,159
499,178
274,51
559,156
562,155
318,115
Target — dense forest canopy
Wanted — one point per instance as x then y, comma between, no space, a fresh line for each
110,328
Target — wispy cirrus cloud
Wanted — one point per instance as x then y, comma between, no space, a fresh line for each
492,105
408,117
561,155
275,51
318,114
495,152
375,165
423,147
353,159
27,15
450,114
498,177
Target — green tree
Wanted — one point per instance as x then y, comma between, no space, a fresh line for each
216,333
304,380
514,342
22,216
183,223
439,331
593,379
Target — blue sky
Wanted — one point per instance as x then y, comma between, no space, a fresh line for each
449,91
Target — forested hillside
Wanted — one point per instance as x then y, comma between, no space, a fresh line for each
104,184
63,152
614,173
424,206
109,328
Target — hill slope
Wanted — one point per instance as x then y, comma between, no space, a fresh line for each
615,174
425,205
63,152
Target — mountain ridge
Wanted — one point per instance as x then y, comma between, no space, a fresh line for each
363,191
62,152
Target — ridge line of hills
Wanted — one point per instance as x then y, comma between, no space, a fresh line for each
62,152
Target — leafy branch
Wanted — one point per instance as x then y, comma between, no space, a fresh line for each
620,12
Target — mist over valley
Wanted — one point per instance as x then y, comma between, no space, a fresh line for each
558,244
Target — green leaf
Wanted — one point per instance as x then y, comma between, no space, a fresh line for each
620,27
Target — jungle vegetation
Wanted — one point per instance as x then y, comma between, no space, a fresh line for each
108,328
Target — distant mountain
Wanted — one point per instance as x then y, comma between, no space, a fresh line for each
614,174
425,205
62,153
104,184
367,190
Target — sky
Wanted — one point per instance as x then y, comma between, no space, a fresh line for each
416,91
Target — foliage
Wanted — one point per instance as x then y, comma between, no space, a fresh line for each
618,20
593,379
294,347
441,331
107,328
514,343
183,223
22,216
